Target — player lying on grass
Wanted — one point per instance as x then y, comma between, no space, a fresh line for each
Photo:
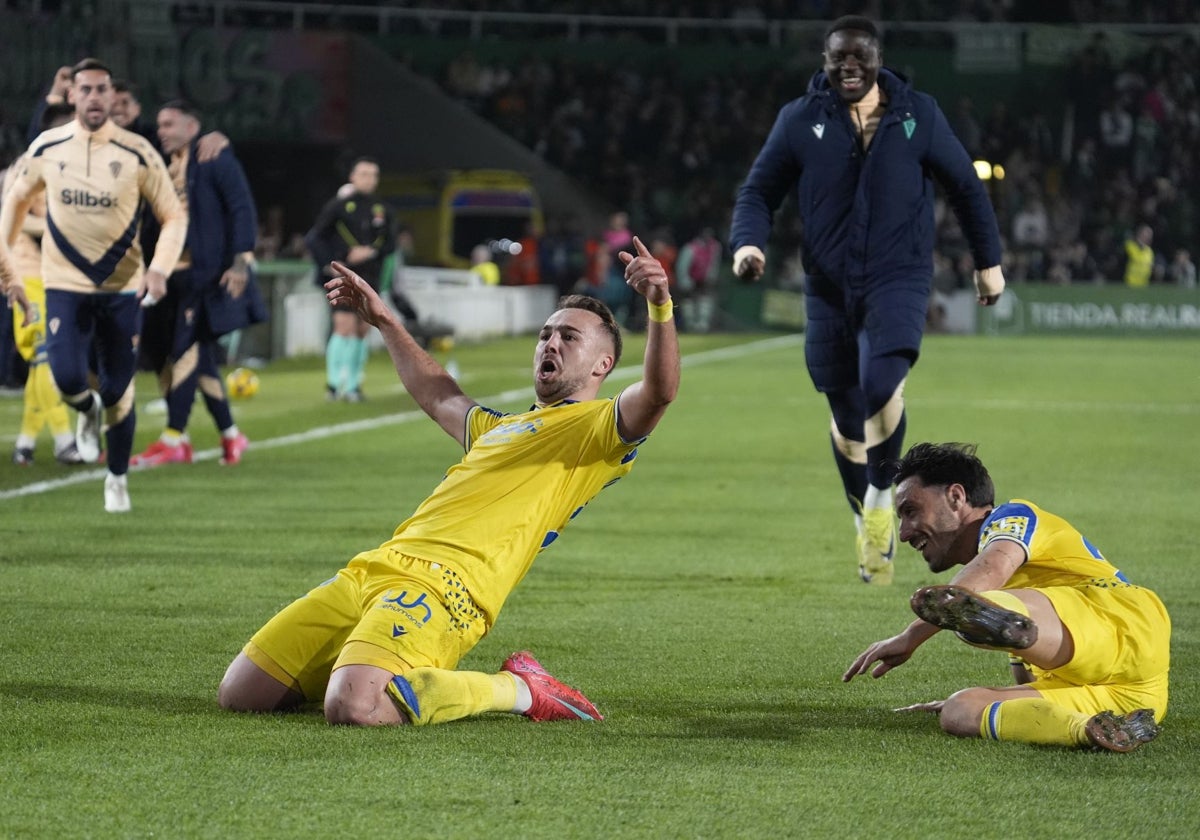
1089,650
379,641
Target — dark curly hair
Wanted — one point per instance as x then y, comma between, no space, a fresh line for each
943,464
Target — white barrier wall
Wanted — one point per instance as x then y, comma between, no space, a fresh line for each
474,310
300,314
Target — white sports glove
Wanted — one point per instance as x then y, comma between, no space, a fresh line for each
989,284
741,258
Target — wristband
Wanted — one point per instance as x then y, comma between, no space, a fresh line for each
660,313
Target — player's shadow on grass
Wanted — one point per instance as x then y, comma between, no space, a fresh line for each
793,722
144,700
118,698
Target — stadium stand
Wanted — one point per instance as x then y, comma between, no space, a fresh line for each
1113,144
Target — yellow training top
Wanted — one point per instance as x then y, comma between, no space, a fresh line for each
96,185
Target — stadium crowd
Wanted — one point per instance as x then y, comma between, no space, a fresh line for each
988,11
1081,175
1099,187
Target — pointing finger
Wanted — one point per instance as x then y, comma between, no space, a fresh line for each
643,251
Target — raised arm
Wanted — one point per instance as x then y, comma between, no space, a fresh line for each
434,390
643,404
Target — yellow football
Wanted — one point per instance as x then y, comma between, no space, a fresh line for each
241,383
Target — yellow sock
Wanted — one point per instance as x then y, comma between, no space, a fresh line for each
1033,720
434,695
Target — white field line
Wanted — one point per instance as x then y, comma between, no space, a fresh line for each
626,373
320,432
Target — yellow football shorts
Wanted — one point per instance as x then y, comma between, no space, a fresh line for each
1122,636
383,609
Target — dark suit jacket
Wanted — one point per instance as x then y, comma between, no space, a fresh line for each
222,223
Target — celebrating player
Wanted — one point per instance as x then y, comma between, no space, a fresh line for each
1090,650
379,640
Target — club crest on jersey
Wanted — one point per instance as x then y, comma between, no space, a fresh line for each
114,167
910,125
819,130
54,324
62,164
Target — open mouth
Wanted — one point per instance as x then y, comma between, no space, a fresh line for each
852,83
547,368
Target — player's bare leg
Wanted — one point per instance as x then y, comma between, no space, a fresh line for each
248,688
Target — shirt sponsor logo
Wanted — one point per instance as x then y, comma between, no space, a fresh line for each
84,199
400,605
506,432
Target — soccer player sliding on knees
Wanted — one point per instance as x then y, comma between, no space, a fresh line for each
380,640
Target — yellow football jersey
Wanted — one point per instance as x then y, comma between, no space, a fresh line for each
1121,632
523,478
1057,554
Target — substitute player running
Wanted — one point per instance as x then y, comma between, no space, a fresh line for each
96,177
1090,650
379,640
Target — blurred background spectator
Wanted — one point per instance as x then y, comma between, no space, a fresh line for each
664,143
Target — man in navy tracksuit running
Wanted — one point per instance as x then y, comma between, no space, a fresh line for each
861,149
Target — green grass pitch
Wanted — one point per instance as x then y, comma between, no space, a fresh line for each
708,604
